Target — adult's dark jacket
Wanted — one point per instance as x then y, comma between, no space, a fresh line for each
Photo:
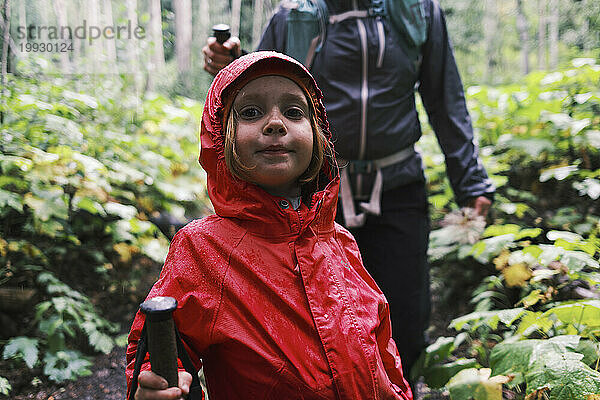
369,84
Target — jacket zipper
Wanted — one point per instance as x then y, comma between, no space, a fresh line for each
364,96
381,35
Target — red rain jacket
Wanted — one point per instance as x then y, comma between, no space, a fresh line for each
274,302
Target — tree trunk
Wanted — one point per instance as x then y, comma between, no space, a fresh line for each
157,50
110,46
12,46
523,29
5,44
76,19
61,17
203,22
542,35
22,19
236,11
93,48
183,34
553,33
490,37
132,42
257,22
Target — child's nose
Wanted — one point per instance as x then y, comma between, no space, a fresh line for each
274,125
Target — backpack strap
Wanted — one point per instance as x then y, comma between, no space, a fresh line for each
196,392
195,388
306,25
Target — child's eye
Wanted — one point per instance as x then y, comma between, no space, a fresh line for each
294,113
249,113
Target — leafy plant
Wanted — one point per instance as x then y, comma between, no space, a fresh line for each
534,273
5,386
84,169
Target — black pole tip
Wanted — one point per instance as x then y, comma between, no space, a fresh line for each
159,307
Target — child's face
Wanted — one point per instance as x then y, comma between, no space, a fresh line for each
274,136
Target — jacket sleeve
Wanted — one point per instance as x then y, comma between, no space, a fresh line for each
183,278
444,100
389,354
387,347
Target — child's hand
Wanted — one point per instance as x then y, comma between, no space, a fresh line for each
154,387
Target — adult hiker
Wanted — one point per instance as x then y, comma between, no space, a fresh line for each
369,58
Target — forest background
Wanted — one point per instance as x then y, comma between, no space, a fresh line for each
99,139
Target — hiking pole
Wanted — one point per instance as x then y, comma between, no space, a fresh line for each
221,32
162,345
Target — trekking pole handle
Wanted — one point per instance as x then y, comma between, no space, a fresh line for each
221,32
162,345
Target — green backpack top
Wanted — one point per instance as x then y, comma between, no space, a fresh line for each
307,20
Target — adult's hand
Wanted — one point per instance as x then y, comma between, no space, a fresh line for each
481,205
154,387
217,55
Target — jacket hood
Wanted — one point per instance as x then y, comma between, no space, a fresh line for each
234,198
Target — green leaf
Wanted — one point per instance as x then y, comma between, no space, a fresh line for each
476,384
531,146
123,211
569,237
89,205
24,347
558,173
10,199
66,365
122,340
584,312
155,249
485,250
438,375
577,260
490,318
5,386
589,186
497,230
590,350
565,375
529,232
516,357
533,322
101,342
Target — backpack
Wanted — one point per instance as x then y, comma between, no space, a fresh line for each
307,20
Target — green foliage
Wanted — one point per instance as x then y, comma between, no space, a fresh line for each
534,272
24,347
67,312
66,365
83,169
5,386
475,383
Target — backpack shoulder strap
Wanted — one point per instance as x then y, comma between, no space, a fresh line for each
306,27
408,17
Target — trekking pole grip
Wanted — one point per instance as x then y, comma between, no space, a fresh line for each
221,32
162,345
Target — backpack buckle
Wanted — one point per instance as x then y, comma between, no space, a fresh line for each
361,166
377,8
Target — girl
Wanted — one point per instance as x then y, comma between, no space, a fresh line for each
274,301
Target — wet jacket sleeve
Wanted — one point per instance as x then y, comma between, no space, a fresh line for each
183,279
389,352
444,100
387,347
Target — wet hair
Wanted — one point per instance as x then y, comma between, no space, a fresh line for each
321,150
